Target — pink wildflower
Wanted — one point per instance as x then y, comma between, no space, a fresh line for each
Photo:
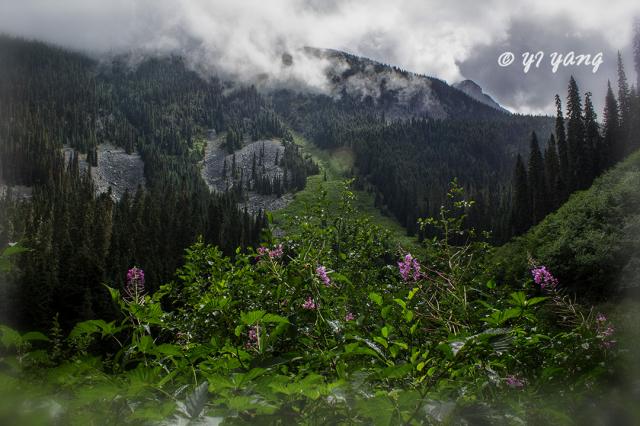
309,304
407,265
349,317
543,277
253,335
321,272
514,382
134,288
604,331
276,252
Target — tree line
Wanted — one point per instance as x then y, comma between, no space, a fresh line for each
578,151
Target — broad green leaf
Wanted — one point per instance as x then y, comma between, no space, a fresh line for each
375,298
252,317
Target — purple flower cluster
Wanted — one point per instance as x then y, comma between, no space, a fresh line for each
409,268
321,272
543,277
134,287
514,382
273,253
604,331
349,317
309,304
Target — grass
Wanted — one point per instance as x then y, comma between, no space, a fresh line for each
335,165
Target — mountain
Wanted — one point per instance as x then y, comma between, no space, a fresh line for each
391,91
471,88
410,135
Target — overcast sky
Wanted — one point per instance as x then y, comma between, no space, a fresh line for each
449,39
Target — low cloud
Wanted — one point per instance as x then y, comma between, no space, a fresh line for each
450,40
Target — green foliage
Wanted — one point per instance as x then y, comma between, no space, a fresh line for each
264,336
590,242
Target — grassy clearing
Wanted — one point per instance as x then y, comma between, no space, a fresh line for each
336,165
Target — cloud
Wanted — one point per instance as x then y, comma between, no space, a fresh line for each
247,38
533,91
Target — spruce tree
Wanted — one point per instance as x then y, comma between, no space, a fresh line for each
537,182
611,152
521,211
592,142
563,154
624,107
552,174
575,137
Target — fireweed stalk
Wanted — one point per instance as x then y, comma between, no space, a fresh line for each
409,268
321,272
543,277
134,287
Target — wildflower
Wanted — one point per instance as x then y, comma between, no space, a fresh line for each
349,317
543,277
408,265
253,339
514,382
321,272
309,304
253,334
134,287
276,252
604,331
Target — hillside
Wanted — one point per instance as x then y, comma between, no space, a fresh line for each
593,241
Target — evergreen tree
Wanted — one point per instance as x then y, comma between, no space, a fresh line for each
552,174
521,213
624,107
611,152
537,182
592,142
563,152
575,138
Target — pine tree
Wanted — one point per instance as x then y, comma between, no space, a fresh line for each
537,182
592,142
611,152
575,137
624,107
521,212
552,174
563,153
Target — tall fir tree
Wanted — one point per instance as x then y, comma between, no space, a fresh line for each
592,142
575,137
611,149
537,182
624,106
563,152
521,211
552,174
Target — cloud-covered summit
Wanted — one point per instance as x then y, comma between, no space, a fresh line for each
452,40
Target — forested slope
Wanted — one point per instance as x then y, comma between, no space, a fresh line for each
593,241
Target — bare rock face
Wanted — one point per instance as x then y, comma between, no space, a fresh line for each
218,176
116,170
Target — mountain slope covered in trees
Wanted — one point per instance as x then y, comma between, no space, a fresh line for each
592,242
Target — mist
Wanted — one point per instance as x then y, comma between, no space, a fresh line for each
246,40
